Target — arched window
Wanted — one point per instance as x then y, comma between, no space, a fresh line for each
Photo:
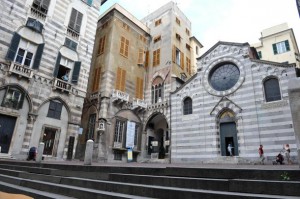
13,98
187,106
272,90
157,90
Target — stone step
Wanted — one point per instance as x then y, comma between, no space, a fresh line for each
139,190
271,187
13,188
62,189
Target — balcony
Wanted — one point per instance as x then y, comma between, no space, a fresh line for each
72,33
21,70
61,85
120,97
37,13
139,105
94,96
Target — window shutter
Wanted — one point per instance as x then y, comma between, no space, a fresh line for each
287,45
96,79
123,80
78,21
14,44
275,49
76,72
72,21
158,57
140,56
57,64
174,54
147,59
118,81
20,105
126,47
46,4
141,86
122,48
89,2
182,60
137,87
38,56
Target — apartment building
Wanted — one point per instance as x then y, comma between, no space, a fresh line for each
135,66
45,54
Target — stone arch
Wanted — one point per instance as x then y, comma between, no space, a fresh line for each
61,100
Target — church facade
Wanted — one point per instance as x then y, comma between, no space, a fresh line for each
235,99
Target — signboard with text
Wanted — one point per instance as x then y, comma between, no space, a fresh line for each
130,134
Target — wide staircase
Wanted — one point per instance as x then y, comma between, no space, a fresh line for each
62,181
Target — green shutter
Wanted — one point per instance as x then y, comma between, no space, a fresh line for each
287,45
89,2
38,56
14,44
78,22
20,105
72,19
275,49
57,64
76,72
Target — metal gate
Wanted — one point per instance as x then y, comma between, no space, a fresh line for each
229,136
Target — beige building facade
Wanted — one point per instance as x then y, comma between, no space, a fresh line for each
278,44
136,64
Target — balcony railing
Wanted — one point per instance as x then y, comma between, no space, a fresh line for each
74,34
21,70
139,104
120,96
38,14
61,85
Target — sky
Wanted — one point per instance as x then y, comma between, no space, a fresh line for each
223,20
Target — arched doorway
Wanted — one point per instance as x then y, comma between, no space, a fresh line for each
157,136
228,133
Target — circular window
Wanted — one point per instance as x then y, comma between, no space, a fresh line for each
224,77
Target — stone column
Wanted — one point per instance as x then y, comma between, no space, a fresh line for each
88,156
294,98
40,152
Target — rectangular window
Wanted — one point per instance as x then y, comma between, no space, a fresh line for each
54,110
156,57
136,135
147,59
40,7
178,58
13,98
157,22
119,131
188,47
70,44
75,20
187,32
259,54
121,79
157,38
139,88
125,26
178,37
124,47
96,81
117,155
177,21
104,25
142,38
281,47
101,45
141,57
91,126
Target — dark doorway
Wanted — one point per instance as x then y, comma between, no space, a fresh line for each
48,139
150,147
7,126
228,136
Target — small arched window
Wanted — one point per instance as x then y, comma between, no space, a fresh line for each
272,90
157,90
187,106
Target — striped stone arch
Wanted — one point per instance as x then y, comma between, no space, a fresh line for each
225,103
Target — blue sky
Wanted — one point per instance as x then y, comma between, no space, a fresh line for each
224,20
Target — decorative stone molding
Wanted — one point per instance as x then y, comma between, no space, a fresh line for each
225,103
269,105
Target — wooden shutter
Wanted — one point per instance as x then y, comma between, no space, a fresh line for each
126,47
38,56
275,49
45,4
141,56
101,45
137,88
141,86
96,81
57,64
158,57
122,47
14,44
75,20
123,82
174,54
147,59
182,60
76,71
287,45
154,58
72,19
78,21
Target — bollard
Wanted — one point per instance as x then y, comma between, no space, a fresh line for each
88,152
40,152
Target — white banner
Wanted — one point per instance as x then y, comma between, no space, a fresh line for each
130,134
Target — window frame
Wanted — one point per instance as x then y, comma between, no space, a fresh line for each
10,102
156,57
281,47
54,112
124,47
269,92
187,106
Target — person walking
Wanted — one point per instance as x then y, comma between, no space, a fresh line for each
229,148
261,154
287,153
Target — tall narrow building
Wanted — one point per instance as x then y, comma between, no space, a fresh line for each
135,66
45,53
